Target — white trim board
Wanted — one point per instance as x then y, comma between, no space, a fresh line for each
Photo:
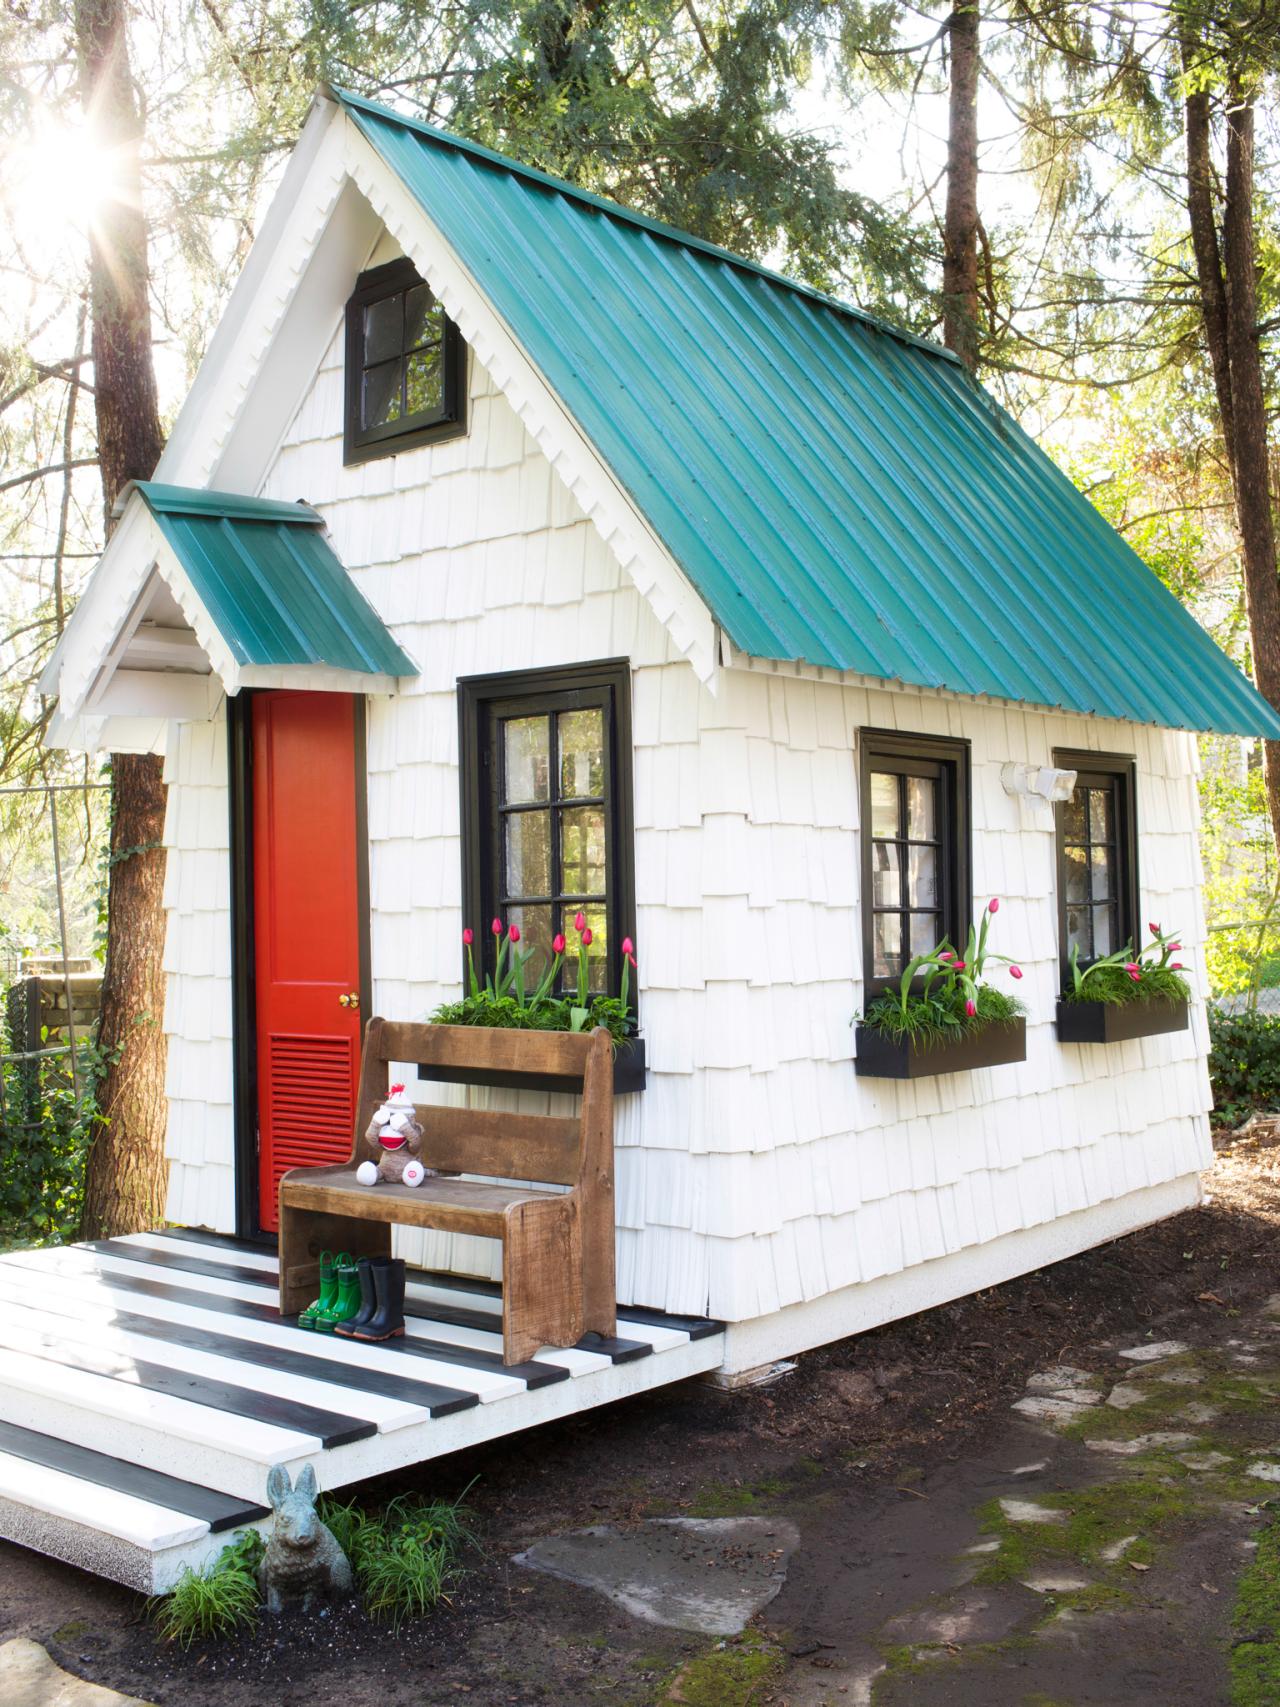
871,1303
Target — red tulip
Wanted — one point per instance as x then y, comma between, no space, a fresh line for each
514,933
496,927
628,947
586,939
971,1008
579,921
1154,929
557,943
468,936
1015,971
994,904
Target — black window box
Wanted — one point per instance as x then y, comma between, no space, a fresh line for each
629,1072
881,1057
1112,1022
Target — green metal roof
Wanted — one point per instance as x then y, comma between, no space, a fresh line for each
271,583
837,491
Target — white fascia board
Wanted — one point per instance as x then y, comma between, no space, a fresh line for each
315,678
105,606
232,367
113,734
657,576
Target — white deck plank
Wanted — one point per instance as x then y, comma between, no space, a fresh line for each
123,1515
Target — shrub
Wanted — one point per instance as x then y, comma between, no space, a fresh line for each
216,1600
405,1556
1244,1065
45,1132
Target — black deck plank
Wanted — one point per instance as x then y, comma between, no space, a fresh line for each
439,1401
697,1327
532,1374
332,1428
264,1246
219,1511
180,1261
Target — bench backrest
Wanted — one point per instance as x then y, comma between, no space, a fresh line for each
552,1148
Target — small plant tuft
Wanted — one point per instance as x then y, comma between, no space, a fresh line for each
216,1600
405,1556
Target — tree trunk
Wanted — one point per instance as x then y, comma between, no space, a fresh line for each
1204,244
960,324
1251,468
127,1172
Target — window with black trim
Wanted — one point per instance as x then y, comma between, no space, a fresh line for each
1097,856
546,810
915,848
405,366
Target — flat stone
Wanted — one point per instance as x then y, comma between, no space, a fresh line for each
1027,1511
30,1678
1177,1377
1117,1550
1272,1305
1200,1413
1141,1443
1204,1460
1157,1349
1059,1411
1263,1471
1126,1396
1048,1583
984,1547
1030,1469
1060,1376
970,1615
707,1575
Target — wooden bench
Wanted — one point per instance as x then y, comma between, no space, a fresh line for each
557,1247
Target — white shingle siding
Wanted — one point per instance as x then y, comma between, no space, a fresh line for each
756,1171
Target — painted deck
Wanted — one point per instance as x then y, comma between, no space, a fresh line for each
148,1385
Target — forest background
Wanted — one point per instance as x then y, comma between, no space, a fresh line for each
1081,199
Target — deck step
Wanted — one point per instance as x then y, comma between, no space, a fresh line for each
143,1378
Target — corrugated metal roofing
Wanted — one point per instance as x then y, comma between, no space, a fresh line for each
271,583
837,492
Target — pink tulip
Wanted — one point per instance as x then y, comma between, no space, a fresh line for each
1174,947
579,921
586,939
971,1008
957,965
496,927
1154,929
1134,974
514,933
994,904
557,943
946,955
468,936
1015,971
1177,967
1131,966
628,947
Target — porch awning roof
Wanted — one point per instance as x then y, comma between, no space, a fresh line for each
271,583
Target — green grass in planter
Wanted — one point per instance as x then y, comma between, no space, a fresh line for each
507,1014
1113,986
933,1020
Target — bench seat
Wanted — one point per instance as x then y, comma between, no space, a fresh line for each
448,1205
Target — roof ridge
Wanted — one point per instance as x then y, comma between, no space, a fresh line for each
617,210
165,499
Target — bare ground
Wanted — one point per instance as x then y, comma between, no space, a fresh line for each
887,1451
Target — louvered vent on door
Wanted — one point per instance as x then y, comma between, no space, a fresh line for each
310,1103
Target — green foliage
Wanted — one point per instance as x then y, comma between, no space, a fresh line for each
404,1556
216,1600
1255,1652
942,994
551,1014
1244,1065
1114,986
45,1132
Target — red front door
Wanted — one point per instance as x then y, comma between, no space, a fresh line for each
307,932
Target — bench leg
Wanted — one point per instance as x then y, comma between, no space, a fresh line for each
541,1277
304,1234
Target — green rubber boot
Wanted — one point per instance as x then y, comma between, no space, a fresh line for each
346,1299
328,1292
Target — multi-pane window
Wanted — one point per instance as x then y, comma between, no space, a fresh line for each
404,362
1097,865
915,852
547,811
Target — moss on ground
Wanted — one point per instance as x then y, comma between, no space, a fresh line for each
734,1499
734,1674
1255,1626
1165,1404
1147,1504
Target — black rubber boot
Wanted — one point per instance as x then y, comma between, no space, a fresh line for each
387,1321
365,1269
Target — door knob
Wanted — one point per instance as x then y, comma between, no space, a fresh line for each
350,1001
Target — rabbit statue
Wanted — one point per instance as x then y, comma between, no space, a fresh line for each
303,1561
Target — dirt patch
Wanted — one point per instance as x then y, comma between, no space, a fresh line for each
884,1450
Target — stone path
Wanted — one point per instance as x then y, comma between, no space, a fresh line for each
29,1678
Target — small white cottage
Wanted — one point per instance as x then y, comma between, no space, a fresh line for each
516,555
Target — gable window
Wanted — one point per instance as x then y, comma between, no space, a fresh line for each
546,811
1097,857
915,848
405,366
